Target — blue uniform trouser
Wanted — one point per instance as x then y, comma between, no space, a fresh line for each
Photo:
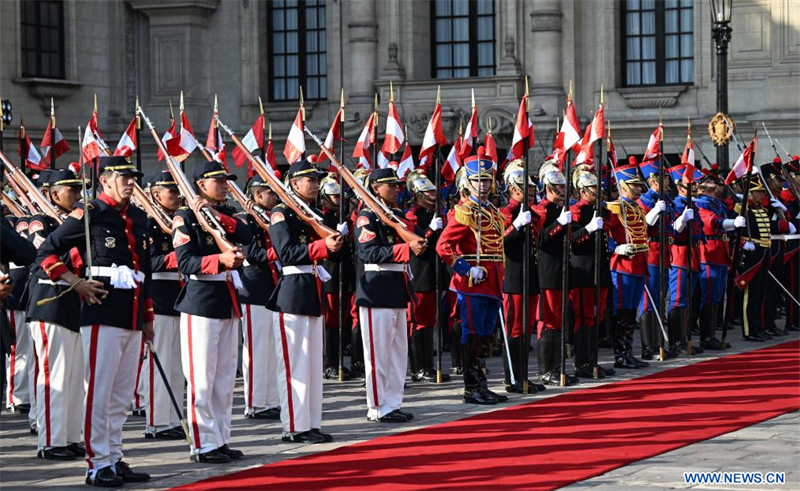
713,280
679,287
653,285
478,315
628,290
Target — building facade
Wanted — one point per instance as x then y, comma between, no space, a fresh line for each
650,57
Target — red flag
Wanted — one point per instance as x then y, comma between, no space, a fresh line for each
433,134
490,149
296,142
522,130
653,145
406,163
470,135
253,140
453,162
214,143
394,137
334,135
365,139
26,149
171,142
127,142
744,164
61,145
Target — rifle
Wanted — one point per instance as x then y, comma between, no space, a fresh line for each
204,215
25,186
785,174
12,205
26,202
385,214
141,198
303,211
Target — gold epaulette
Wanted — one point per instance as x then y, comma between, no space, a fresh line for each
614,207
463,214
737,208
184,207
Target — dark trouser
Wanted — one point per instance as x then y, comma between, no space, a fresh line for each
421,350
774,293
751,304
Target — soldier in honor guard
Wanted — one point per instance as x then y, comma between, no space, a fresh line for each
715,256
116,310
629,226
356,346
422,314
161,418
587,223
210,311
684,222
329,193
792,257
552,216
472,245
517,216
259,275
650,330
299,308
55,329
382,294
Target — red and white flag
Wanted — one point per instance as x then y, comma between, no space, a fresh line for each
127,142
470,135
89,146
523,128
406,163
186,143
26,149
61,145
433,134
744,164
688,152
253,140
214,144
271,160
490,150
296,143
653,145
171,140
571,128
365,140
383,159
334,135
394,138
587,149
453,162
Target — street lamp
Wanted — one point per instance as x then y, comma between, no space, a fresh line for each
721,29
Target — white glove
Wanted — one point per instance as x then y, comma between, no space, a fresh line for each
436,224
342,228
792,228
565,217
595,224
680,222
777,204
624,250
749,246
476,273
323,274
522,219
740,222
652,216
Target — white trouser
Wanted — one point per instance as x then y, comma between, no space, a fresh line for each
110,355
383,332
208,355
298,341
259,362
33,377
140,388
161,413
59,353
20,367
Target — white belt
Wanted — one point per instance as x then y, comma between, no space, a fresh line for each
234,276
53,283
166,275
108,272
246,263
122,277
14,266
786,237
307,269
393,267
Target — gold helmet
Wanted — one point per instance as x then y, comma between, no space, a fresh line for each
461,179
361,174
514,174
580,170
584,180
418,182
550,175
329,186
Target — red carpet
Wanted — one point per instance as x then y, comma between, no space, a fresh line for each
557,441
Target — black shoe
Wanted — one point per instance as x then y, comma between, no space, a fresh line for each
551,378
327,436
271,413
697,350
393,417
793,327
514,388
406,414
756,339
477,396
584,372
780,332
56,453
489,393
230,452
212,457
712,344
139,413
624,361
304,437
77,450
457,371
34,432
105,478
22,408
357,370
332,373
608,371
129,475
767,336
647,354
639,363
422,376
169,434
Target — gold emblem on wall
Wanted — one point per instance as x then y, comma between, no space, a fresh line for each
720,132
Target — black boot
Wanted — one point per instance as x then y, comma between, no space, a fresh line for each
675,330
456,350
545,358
357,354
331,360
584,367
416,345
474,392
649,324
621,356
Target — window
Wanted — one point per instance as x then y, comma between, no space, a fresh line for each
658,42
297,49
42,38
463,31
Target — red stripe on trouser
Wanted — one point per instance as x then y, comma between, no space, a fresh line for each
372,361
192,410
285,348
249,355
12,358
234,300
87,422
136,395
152,404
46,364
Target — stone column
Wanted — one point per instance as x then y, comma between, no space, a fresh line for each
546,67
363,56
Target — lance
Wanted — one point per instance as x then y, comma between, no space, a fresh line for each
438,260
526,263
598,250
138,128
662,235
785,174
86,212
375,130
1,127
343,219
52,134
690,246
263,129
24,154
565,265
96,164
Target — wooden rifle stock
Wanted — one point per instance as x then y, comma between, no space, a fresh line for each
204,215
25,187
12,205
302,211
388,218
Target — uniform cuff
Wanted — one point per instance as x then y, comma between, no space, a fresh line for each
401,253
171,260
318,250
228,223
461,266
210,264
53,267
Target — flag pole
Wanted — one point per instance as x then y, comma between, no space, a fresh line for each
24,157
526,261
171,120
180,112
662,235
438,333
303,116
690,245
375,129
565,265
138,146
263,128
342,219
1,129
52,134
599,240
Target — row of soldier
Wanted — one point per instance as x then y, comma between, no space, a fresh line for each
85,322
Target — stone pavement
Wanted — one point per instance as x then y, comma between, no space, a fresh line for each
770,446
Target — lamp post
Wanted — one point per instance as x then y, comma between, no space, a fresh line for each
721,29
